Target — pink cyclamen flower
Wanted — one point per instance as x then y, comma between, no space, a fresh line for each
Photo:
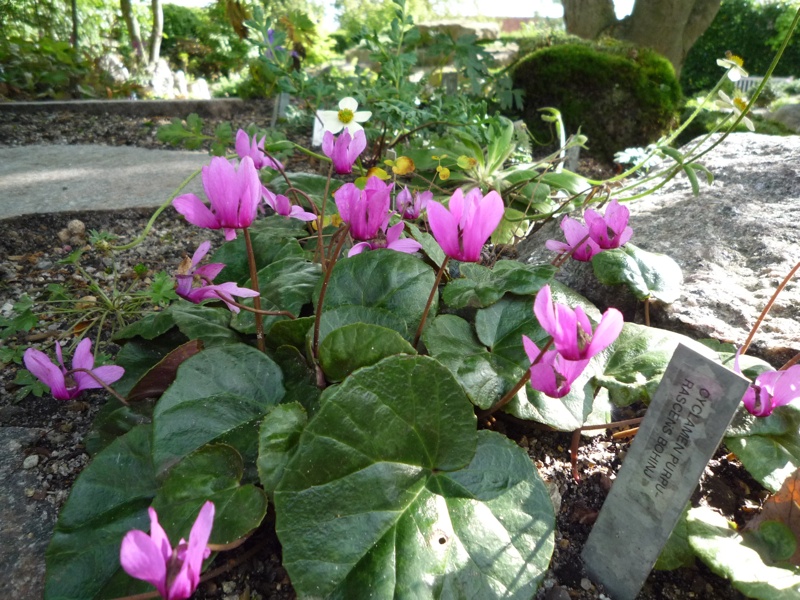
390,239
68,384
344,150
553,374
578,237
463,227
367,210
175,573
254,149
189,274
234,197
610,230
283,206
571,329
770,390
410,207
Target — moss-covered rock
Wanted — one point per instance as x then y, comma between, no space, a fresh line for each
618,95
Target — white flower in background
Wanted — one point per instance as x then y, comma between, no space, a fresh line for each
735,105
734,65
346,117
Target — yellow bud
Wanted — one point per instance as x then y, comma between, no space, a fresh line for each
466,162
404,166
379,173
444,173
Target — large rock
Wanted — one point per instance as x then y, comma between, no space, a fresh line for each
735,242
787,115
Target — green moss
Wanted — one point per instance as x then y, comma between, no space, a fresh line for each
618,95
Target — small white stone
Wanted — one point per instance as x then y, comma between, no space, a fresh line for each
586,584
228,587
30,461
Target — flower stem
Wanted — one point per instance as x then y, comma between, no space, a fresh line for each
328,271
767,308
430,300
251,260
269,313
513,392
107,387
159,210
321,222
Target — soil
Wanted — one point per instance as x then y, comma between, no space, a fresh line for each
30,251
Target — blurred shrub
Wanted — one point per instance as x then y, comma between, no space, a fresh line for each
50,69
618,95
202,42
749,29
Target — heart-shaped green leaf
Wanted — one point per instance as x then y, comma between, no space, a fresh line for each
740,559
769,447
212,473
285,285
637,361
392,466
109,499
358,345
383,279
647,274
278,437
220,394
482,287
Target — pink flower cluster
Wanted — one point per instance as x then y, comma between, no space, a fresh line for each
235,194
574,340
601,232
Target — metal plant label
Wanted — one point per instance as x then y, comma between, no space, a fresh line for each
691,410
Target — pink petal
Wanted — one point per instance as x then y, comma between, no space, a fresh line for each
141,558
200,253
359,248
444,228
83,359
210,271
544,311
195,211
242,143
328,144
38,363
406,245
302,215
108,374
543,379
607,332
787,388
189,575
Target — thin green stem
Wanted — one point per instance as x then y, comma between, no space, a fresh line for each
251,261
158,212
324,289
321,220
430,300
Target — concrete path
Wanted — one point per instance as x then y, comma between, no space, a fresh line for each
47,178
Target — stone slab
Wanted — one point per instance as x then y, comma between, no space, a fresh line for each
682,428
46,179
222,108
25,524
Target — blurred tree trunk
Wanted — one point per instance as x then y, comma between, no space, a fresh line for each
133,29
74,40
157,31
669,27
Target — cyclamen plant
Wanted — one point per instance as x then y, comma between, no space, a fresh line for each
357,414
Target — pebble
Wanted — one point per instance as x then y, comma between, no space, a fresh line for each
228,587
30,461
44,264
76,227
586,584
557,593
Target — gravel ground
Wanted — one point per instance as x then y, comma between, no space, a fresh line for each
30,252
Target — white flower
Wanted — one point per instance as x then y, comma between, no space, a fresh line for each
735,105
347,116
734,65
